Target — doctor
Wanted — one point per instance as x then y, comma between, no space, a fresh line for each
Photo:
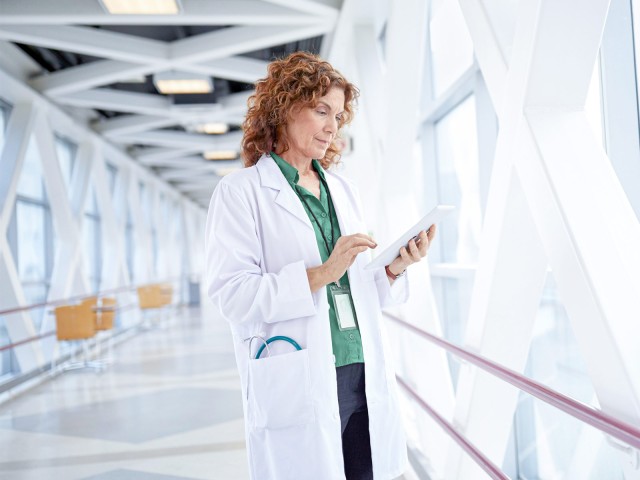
283,239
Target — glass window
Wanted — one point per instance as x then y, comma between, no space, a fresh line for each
452,296
154,248
451,46
635,8
145,203
130,245
113,175
31,242
66,151
593,106
5,110
91,238
30,183
30,232
550,443
457,163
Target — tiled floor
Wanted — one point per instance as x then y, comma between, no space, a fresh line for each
169,408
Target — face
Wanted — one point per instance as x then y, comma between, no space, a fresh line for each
311,130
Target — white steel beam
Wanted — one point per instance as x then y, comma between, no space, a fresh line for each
19,325
229,107
89,75
172,175
112,230
232,41
486,49
177,162
88,41
198,187
148,156
229,141
597,273
128,124
117,100
308,6
194,12
208,46
240,69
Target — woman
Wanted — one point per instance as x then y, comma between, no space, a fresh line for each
283,244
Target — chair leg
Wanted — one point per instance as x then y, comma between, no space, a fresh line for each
86,362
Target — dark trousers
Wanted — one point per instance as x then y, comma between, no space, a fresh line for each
354,416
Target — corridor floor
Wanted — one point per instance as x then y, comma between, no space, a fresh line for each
168,408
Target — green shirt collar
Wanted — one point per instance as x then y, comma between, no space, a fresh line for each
291,173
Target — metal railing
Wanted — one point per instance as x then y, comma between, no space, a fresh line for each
19,378
616,428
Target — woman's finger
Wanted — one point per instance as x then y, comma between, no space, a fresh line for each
413,249
405,256
359,239
431,232
423,246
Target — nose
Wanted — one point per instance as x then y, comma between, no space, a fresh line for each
331,126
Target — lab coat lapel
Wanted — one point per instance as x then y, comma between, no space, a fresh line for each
340,204
272,177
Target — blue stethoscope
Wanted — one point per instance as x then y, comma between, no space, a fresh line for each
276,338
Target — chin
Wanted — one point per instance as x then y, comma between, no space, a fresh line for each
320,153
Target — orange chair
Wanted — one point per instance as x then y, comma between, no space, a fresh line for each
166,293
105,313
149,297
154,297
77,323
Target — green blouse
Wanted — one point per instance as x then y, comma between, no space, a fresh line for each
347,344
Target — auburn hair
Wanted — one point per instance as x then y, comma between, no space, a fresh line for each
295,81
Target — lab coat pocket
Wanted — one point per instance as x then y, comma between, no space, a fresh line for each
279,393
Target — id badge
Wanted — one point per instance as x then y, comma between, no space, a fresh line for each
343,304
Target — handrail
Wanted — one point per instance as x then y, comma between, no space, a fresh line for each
24,341
50,333
52,303
480,458
608,424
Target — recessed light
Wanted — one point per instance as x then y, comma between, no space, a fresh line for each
213,128
221,155
142,7
174,82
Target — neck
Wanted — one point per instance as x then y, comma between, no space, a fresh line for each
302,164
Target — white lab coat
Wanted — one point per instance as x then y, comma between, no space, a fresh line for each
259,243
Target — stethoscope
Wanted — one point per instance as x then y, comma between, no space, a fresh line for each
265,343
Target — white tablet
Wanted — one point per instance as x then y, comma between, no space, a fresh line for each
391,252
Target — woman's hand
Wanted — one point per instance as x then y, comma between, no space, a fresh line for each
415,251
344,254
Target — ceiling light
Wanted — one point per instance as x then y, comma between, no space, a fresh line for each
142,7
221,155
213,128
173,82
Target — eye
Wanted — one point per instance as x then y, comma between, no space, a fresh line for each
321,112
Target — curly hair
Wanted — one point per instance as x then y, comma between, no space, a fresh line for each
297,80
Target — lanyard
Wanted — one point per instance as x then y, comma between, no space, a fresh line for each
331,211
304,201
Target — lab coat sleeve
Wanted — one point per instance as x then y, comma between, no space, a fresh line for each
391,295
235,281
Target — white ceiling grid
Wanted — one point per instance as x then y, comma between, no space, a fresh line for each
251,25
